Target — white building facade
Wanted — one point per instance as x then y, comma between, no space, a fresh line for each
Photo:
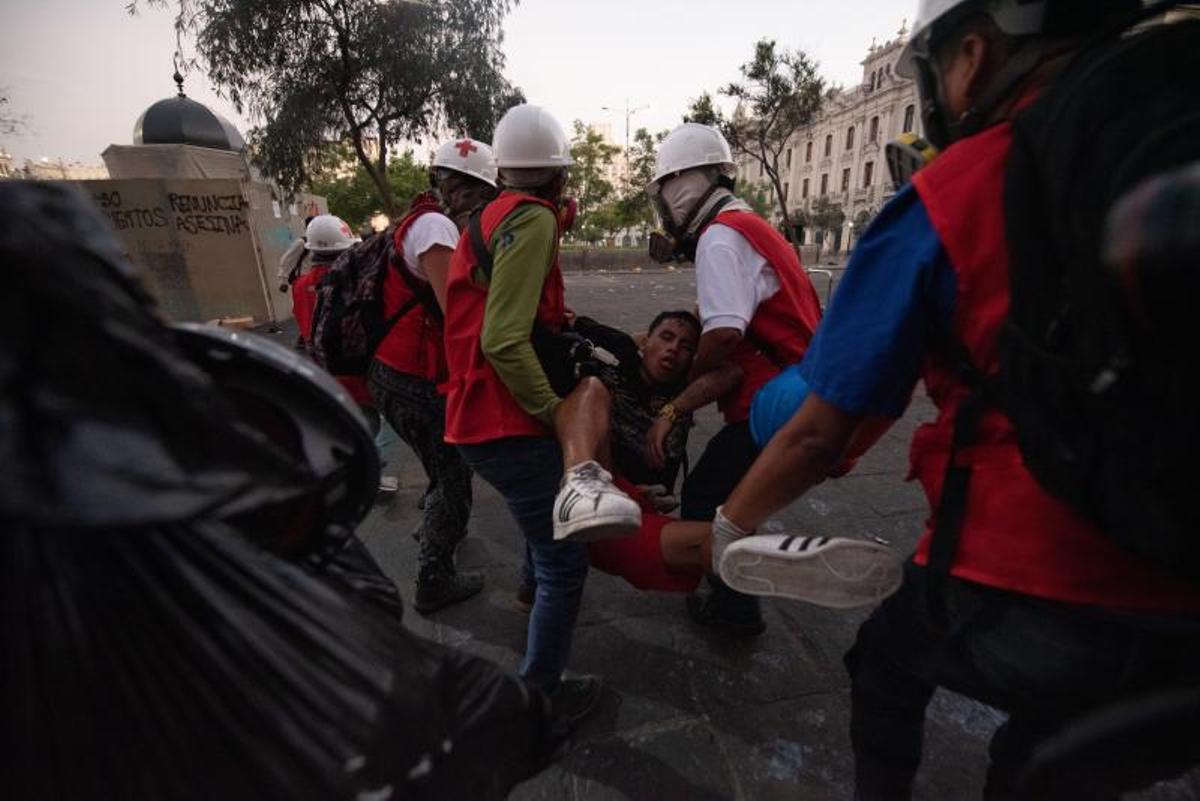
840,156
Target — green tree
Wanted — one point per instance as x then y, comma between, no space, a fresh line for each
634,209
356,199
365,73
759,199
591,190
779,93
825,217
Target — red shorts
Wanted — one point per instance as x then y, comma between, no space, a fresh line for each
639,559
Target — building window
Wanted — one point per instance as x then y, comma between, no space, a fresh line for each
808,153
871,88
874,129
846,180
786,187
824,183
828,146
909,111
850,138
789,158
804,189
868,173
760,169
888,69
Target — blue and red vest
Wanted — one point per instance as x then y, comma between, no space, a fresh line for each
1015,535
414,345
479,407
782,326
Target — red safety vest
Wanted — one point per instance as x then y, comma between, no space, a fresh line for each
479,407
782,325
414,345
1014,535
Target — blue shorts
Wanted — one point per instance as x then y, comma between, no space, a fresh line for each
776,403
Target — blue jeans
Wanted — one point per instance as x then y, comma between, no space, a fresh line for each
526,471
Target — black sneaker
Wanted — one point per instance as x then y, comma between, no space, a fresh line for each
443,589
575,699
526,593
726,610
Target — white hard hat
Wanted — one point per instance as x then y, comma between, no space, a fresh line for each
328,234
1013,17
468,156
690,145
527,137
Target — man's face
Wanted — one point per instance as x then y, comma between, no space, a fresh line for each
668,352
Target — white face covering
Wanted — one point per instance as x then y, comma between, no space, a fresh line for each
680,194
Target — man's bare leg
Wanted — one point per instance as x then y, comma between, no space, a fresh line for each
589,507
581,423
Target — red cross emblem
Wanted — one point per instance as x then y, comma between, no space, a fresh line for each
466,147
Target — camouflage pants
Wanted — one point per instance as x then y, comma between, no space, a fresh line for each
418,414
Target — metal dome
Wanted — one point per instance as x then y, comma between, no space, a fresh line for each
181,121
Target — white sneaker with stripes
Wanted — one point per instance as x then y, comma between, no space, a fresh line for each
589,507
834,572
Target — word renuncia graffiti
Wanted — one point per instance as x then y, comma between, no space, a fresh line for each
191,214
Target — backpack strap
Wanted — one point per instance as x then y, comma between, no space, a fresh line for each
483,256
952,505
422,291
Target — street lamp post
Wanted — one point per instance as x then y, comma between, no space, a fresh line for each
629,112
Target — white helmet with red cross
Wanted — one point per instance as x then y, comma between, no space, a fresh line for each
468,156
328,234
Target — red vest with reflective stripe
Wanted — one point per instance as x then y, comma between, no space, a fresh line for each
782,325
1015,535
414,345
479,407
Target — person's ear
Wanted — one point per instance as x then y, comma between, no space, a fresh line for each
640,340
975,53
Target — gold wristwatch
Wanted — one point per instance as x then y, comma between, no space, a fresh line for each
669,411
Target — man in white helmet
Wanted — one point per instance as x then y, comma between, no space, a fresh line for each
1013,597
410,362
326,236
501,410
758,310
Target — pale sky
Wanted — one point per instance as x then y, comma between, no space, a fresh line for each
82,71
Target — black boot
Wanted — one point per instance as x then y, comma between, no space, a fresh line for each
727,610
440,585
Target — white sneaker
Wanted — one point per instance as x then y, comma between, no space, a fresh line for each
589,507
835,572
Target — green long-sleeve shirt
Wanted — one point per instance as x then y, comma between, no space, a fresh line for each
523,248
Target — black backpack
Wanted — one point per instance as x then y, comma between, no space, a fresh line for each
1107,410
348,319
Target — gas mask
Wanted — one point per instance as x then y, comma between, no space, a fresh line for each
679,201
568,209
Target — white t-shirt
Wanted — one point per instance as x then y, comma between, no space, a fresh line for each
427,231
732,279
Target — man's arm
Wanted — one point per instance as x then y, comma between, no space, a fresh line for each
435,263
522,255
797,458
288,260
716,346
702,391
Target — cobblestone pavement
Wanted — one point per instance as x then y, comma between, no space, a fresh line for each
689,715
